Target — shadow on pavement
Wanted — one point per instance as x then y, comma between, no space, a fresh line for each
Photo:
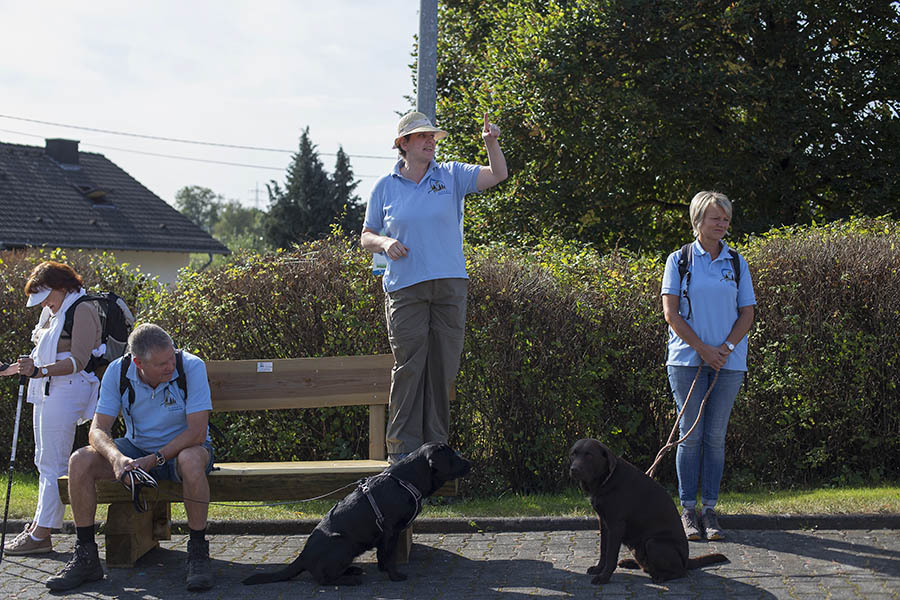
861,556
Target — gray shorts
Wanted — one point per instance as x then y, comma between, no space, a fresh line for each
168,471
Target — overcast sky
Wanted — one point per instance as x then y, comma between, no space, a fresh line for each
225,71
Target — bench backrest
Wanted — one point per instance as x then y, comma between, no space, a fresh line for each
306,383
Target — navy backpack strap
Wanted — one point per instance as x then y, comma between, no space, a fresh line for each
684,260
182,377
736,265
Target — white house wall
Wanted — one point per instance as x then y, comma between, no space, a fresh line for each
164,265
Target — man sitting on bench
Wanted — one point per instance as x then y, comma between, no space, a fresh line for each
165,403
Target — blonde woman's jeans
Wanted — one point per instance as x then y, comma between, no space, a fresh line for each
700,459
426,326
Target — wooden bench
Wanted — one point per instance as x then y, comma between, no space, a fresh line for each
242,385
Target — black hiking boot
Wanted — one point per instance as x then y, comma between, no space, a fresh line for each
84,566
199,571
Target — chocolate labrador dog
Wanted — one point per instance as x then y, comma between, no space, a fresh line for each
372,516
634,510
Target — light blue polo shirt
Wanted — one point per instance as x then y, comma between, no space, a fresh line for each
427,218
715,299
158,415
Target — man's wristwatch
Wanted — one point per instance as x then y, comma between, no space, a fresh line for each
729,345
160,459
42,370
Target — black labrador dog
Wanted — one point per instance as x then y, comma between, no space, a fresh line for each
372,516
634,510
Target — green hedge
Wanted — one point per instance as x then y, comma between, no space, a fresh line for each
561,343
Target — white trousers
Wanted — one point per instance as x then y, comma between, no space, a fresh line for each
55,418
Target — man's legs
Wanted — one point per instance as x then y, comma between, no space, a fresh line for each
192,465
86,467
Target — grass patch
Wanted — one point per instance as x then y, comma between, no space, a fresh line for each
828,501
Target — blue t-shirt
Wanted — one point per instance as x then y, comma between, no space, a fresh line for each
158,415
715,300
426,217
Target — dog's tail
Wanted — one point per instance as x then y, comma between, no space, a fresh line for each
290,571
706,559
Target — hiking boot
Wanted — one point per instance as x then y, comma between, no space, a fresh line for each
199,571
711,525
84,566
24,544
689,522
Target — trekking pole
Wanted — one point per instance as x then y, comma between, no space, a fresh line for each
12,461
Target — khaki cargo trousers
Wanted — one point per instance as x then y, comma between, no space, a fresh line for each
426,325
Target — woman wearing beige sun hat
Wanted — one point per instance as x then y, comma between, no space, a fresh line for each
414,217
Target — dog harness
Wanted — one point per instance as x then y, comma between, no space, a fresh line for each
365,486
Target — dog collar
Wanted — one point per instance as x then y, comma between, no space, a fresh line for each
365,487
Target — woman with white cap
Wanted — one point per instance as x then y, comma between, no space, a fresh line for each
415,217
63,394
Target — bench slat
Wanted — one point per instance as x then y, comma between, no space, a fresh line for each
263,482
318,382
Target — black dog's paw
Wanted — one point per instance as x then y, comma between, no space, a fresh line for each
629,563
600,579
354,570
396,576
594,570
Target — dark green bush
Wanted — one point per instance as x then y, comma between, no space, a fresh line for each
562,343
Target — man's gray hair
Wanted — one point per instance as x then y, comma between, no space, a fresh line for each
147,338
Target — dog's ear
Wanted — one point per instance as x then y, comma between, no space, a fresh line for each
440,457
611,460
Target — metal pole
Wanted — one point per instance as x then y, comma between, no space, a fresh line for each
426,75
23,382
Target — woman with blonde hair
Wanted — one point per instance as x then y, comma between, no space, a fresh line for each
709,311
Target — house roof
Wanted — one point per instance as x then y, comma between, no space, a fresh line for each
60,197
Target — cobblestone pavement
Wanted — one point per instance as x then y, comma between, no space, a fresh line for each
510,565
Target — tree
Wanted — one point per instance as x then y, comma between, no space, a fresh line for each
237,227
343,184
616,112
199,204
311,201
240,228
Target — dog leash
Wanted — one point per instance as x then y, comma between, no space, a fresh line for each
670,444
145,480
365,488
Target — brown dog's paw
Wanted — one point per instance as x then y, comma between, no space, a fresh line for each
629,563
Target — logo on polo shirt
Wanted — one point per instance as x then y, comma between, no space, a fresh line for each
437,186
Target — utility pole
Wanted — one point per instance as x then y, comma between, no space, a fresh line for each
426,75
256,198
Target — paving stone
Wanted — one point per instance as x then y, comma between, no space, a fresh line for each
766,564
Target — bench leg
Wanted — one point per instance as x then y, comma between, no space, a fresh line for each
162,521
404,544
129,534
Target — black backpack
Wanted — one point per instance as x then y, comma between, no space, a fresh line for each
125,383
685,257
684,261
116,323
125,386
